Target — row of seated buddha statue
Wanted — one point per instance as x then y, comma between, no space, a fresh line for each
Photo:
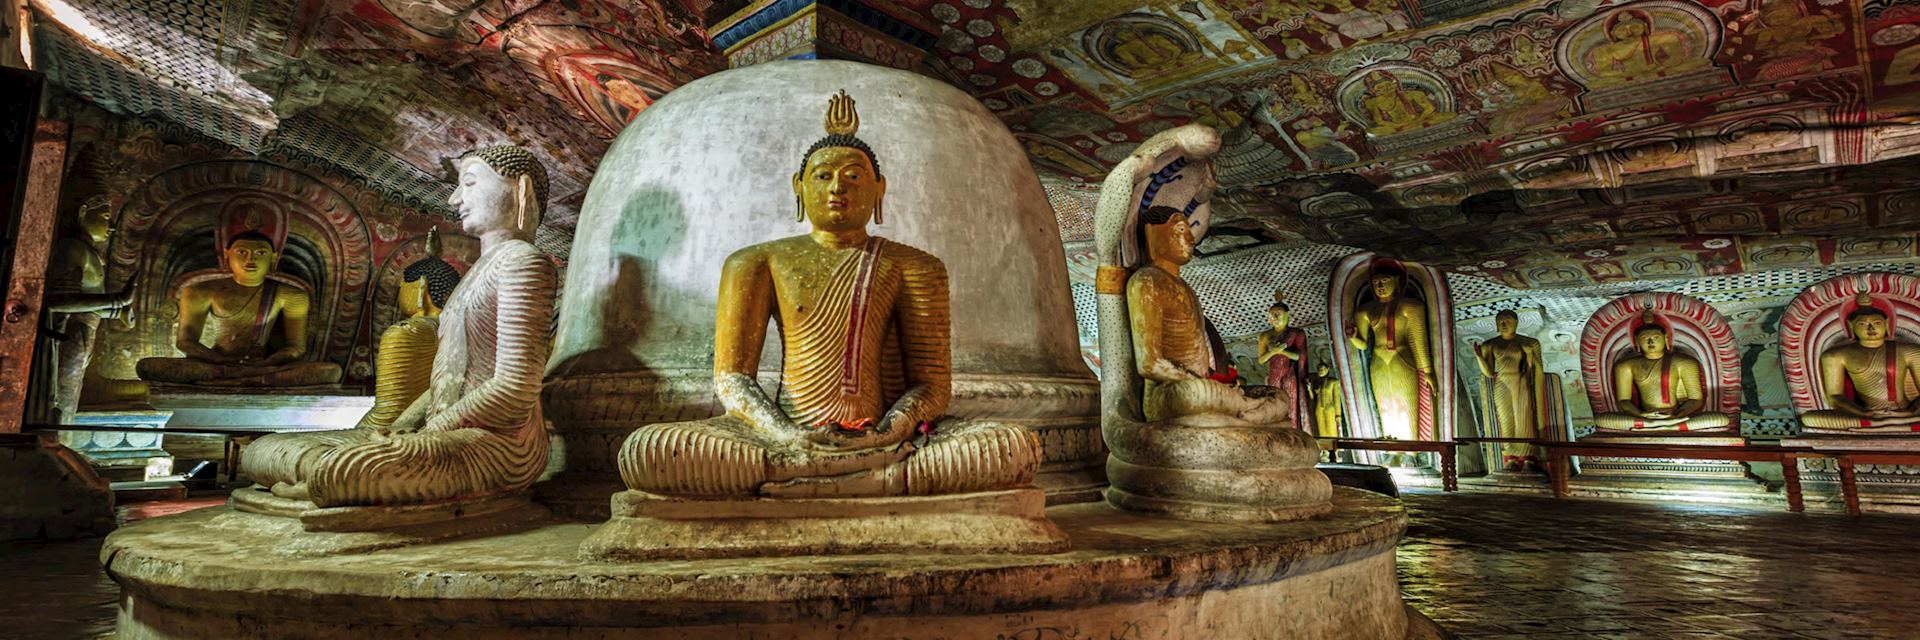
456,413
856,440
857,429
857,436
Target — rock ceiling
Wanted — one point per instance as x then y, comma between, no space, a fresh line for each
1540,144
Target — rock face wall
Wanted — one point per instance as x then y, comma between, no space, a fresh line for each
48,491
708,170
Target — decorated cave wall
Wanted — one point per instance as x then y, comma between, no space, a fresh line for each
172,191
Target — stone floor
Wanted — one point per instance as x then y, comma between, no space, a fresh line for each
1488,565
1485,565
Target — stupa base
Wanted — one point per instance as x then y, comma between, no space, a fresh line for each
646,526
1126,575
306,529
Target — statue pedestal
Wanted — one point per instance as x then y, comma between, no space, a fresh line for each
646,526
48,491
309,530
1882,487
319,408
119,455
1125,576
1215,469
1714,481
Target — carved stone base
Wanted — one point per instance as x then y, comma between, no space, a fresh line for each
1127,576
1713,481
647,526
1887,488
1220,472
119,455
1243,495
315,530
48,491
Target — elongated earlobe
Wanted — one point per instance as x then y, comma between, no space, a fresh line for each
525,202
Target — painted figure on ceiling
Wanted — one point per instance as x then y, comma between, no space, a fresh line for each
1527,101
1394,108
1526,52
1059,157
1215,116
1787,39
1302,94
1356,22
1145,51
1637,50
1322,143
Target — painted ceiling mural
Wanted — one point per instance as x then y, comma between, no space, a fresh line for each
1534,143
390,90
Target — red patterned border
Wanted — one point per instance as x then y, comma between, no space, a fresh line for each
1699,330
1814,322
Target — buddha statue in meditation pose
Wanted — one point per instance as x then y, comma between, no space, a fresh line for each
477,431
1171,350
1659,389
1183,440
1882,372
243,315
403,366
865,371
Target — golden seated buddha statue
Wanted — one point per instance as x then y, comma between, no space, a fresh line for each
1881,372
403,360
477,432
1659,390
242,314
865,382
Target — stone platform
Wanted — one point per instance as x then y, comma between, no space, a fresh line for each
318,408
1882,487
1125,576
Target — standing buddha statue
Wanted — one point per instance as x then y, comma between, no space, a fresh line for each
865,370
1328,401
76,300
243,315
1393,329
1514,383
477,431
1881,371
1284,350
403,366
1659,389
